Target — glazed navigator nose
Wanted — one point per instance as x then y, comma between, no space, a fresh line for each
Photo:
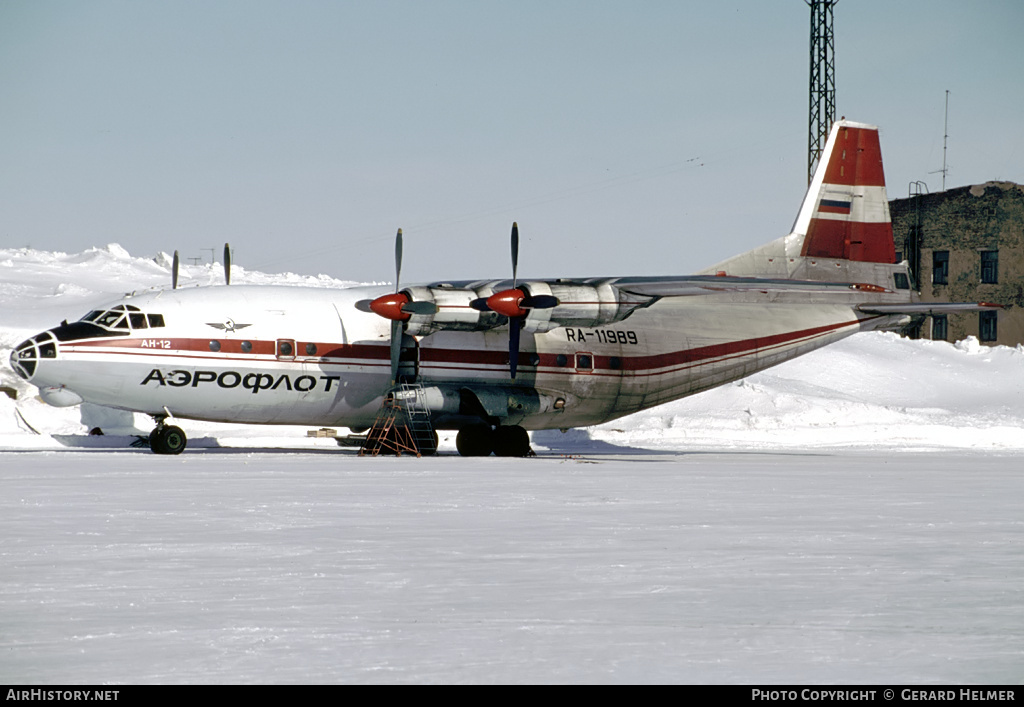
27,355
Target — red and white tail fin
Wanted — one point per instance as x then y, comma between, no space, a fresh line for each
842,232
845,214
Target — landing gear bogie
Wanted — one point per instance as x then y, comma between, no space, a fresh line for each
503,441
511,441
475,441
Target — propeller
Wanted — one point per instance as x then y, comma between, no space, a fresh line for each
227,264
397,307
396,324
516,304
174,271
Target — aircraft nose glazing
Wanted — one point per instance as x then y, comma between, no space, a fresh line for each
26,356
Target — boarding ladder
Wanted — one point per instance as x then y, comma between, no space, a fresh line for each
402,424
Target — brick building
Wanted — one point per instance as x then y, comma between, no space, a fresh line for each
967,245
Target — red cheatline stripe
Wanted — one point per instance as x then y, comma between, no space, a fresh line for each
373,355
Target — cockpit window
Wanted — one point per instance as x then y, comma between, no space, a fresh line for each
112,319
124,316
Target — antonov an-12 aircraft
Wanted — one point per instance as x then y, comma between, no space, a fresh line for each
494,359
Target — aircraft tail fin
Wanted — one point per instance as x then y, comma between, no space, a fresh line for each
845,214
843,232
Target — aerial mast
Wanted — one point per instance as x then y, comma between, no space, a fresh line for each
945,141
822,111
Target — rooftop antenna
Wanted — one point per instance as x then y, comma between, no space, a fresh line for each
945,140
822,112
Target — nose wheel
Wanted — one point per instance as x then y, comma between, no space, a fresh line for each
167,439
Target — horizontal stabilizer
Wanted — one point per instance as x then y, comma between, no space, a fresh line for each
929,308
710,284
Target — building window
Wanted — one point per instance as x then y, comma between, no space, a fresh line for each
940,328
940,267
987,330
990,266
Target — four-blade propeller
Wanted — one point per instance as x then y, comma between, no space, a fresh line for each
398,307
516,304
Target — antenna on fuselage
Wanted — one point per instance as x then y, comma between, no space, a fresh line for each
174,271
227,264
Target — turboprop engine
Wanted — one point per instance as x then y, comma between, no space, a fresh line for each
544,306
540,306
453,310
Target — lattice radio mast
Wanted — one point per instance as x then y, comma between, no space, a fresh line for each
823,81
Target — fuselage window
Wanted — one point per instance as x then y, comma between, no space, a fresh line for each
246,346
311,349
214,346
138,321
155,320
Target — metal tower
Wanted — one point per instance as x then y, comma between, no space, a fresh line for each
823,81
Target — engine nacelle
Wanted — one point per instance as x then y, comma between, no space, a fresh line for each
454,310
579,305
499,402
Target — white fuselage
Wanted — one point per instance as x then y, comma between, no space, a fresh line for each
307,356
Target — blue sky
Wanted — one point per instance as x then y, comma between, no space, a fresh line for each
627,138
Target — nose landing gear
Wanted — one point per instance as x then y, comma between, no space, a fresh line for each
167,439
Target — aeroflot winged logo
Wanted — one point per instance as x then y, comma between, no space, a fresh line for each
229,325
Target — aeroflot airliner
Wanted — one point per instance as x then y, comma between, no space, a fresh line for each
496,358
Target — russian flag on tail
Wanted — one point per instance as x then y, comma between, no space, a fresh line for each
834,206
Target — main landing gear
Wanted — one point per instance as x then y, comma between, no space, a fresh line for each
503,441
167,439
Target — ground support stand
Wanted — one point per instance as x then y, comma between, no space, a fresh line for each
402,425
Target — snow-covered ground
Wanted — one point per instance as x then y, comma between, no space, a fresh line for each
852,516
